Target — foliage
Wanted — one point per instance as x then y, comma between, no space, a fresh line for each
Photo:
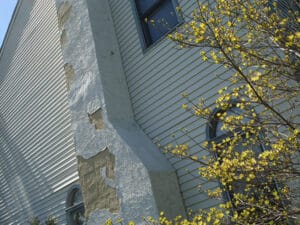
34,221
258,42
51,220
256,159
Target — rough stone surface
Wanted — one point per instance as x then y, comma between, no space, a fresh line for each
70,74
64,12
97,175
96,119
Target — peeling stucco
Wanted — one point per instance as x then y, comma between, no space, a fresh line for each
64,11
97,175
96,119
70,74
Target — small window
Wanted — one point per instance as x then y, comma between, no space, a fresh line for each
75,207
157,18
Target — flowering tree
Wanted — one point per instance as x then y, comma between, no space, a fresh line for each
254,133
255,130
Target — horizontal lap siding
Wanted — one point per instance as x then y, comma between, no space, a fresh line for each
38,159
156,77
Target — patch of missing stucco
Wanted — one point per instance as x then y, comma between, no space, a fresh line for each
64,12
69,73
97,175
96,118
63,38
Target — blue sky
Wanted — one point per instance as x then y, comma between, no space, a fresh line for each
6,10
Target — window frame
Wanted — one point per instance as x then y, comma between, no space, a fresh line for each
70,206
143,30
211,131
212,136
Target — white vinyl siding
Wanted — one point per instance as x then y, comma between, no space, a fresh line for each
37,156
156,78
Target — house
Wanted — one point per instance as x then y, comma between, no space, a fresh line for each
87,90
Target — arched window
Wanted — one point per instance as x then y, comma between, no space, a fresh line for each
75,207
216,134
215,124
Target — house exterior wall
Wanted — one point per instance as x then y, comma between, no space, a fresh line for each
83,102
64,100
156,77
75,102
37,155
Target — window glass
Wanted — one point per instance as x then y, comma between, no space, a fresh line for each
144,5
77,218
165,19
157,17
77,198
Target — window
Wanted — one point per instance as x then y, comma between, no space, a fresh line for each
157,18
217,135
75,207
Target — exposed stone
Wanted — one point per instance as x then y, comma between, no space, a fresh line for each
97,176
70,74
96,118
63,38
64,12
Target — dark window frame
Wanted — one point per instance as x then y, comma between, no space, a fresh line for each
72,208
151,10
213,137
